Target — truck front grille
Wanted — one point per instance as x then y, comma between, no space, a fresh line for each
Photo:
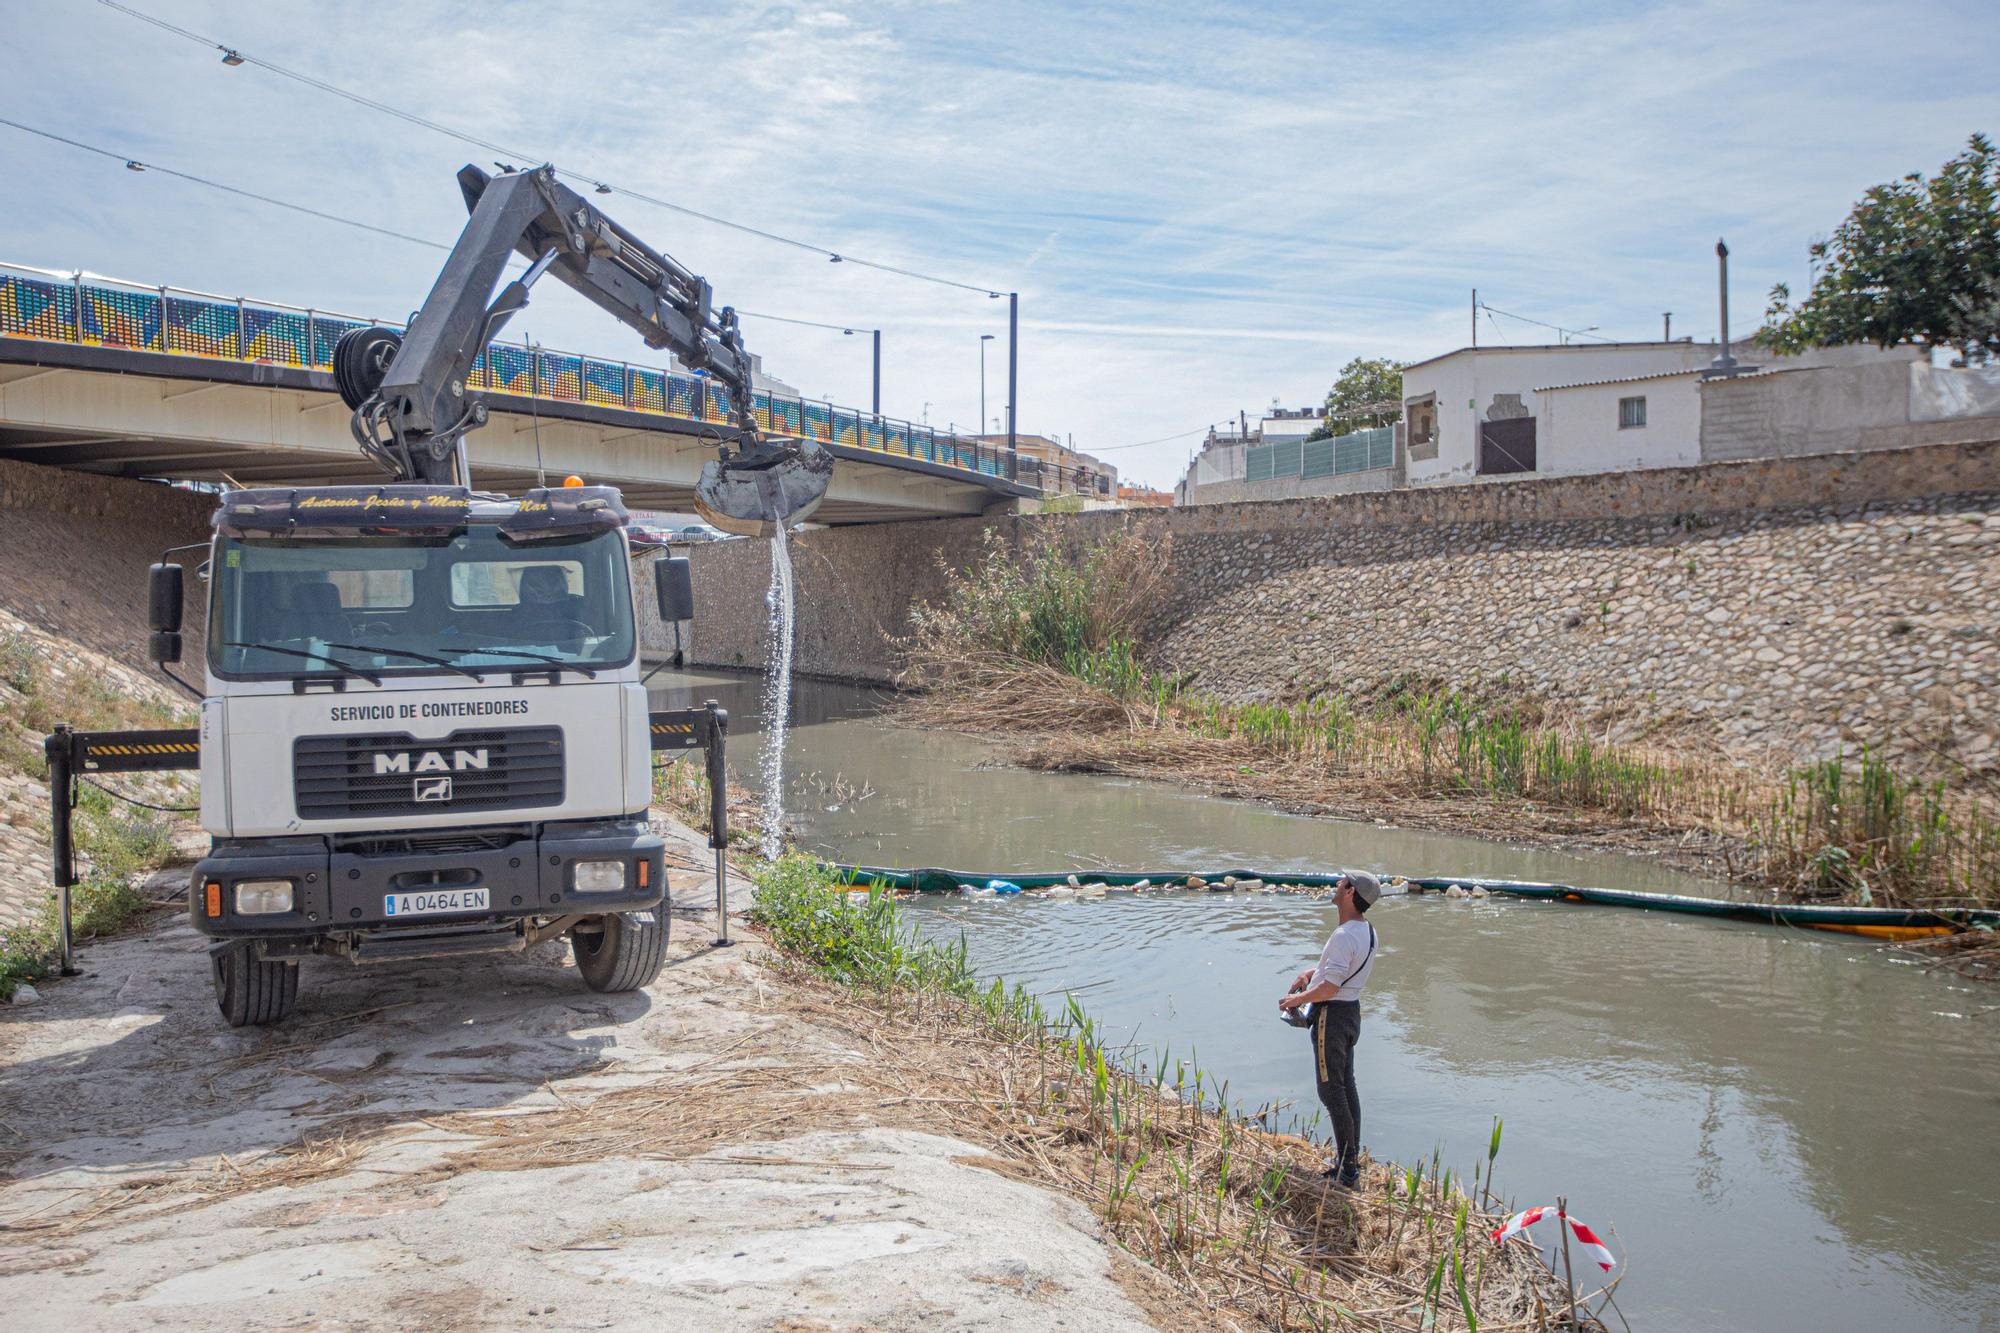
349,777
435,842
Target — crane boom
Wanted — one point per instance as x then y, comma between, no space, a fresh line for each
409,392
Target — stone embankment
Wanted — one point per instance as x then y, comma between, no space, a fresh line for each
74,550
1798,632
1772,610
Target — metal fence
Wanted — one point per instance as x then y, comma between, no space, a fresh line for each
94,311
1362,451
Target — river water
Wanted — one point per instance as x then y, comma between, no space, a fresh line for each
1785,1129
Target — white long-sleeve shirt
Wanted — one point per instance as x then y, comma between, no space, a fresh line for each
1347,960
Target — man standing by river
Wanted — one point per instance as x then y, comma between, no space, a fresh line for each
1334,987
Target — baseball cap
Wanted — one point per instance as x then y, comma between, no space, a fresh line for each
1367,889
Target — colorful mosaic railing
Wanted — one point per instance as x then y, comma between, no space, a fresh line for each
92,311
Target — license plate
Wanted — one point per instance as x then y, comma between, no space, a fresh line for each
436,902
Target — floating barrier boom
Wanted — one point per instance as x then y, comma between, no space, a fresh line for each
1885,923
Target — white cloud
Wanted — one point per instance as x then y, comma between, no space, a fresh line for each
1201,209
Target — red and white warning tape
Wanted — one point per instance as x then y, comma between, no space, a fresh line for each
1592,1246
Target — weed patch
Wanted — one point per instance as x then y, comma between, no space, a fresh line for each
117,844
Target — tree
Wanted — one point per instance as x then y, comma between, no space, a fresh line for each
1368,393
1916,261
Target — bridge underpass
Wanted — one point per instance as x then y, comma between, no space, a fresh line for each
91,383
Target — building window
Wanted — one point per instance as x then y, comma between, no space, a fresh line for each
1631,413
1420,427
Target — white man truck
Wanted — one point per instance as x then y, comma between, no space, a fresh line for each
424,730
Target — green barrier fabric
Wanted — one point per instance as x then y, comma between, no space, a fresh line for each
934,880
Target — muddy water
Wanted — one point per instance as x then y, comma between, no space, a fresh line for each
1785,1129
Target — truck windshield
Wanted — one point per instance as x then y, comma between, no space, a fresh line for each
373,606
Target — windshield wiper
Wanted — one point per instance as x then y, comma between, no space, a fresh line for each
414,657
311,656
523,653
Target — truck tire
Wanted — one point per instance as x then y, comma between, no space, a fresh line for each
252,991
626,954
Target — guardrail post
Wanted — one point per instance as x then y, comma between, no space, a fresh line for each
76,303
61,754
164,345
718,814
312,340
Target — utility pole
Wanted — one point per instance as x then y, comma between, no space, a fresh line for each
878,372
1724,364
1667,332
1013,364
1475,317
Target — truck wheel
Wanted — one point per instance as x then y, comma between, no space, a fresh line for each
251,990
626,954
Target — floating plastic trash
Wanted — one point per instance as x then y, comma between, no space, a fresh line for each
1003,886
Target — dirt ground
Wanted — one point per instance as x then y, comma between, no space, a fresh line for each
486,1143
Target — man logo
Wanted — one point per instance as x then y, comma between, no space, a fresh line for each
431,789
431,761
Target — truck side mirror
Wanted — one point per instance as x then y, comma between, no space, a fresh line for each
163,612
673,579
164,594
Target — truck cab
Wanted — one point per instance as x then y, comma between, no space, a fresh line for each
424,733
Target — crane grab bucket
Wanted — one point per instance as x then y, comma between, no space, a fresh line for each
772,483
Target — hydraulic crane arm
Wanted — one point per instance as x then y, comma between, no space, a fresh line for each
413,408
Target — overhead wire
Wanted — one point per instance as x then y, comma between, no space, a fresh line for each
238,55
323,215
806,323
1141,444
1544,324
138,164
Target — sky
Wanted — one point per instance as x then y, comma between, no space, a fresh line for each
1204,208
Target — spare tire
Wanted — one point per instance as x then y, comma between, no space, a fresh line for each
361,362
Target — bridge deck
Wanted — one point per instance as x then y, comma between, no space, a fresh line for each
149,382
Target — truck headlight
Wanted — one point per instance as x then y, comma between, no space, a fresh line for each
263,897
599,876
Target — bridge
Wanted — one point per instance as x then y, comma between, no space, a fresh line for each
123,379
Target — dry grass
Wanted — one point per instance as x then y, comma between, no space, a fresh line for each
1972,954
1304,784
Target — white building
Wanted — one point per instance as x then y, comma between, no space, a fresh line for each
1477,412
1484,413
1577,408
1288,423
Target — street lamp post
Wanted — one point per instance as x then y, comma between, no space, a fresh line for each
1013,366
984,338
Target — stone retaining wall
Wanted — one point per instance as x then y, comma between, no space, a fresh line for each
74,550
1796,632
1783,605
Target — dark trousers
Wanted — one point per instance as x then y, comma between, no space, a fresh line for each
1336,1027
